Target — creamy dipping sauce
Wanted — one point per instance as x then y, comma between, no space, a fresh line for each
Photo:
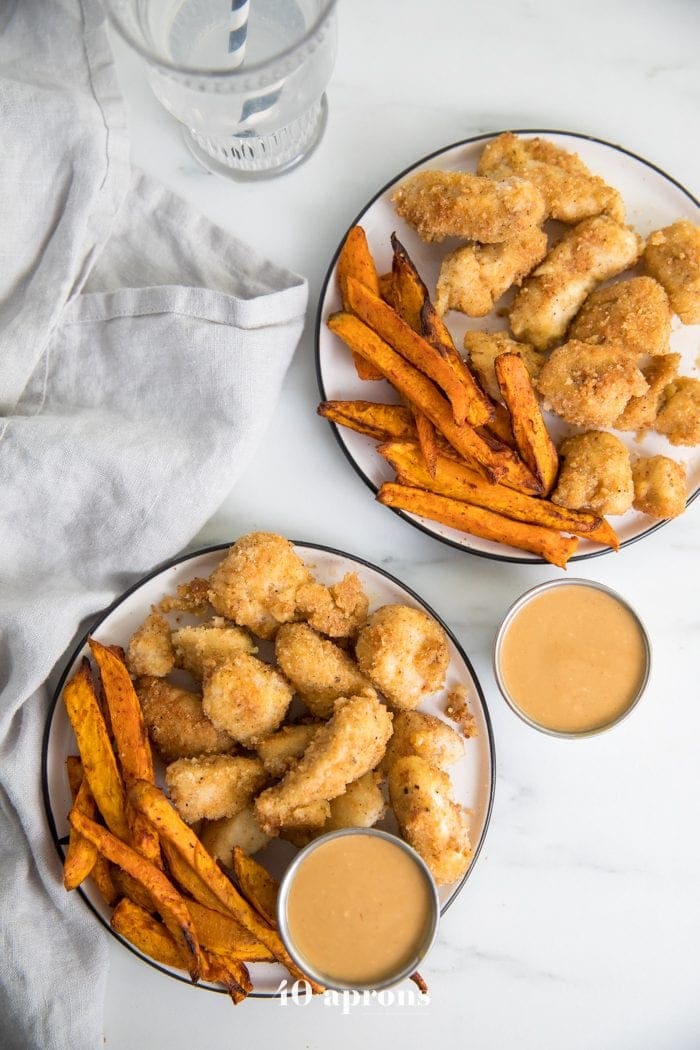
359,909
573,658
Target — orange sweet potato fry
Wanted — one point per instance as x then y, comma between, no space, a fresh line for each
99,764
547,543
387,323
130,737
383,422
355,260
497,461
171,906
427,440
457,481
256,884
150,801
531,435
81,855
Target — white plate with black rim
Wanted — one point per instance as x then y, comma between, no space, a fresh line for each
473,776
653,199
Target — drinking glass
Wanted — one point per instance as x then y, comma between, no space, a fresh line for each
246,78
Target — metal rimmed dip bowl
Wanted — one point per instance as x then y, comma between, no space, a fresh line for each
638,686
293,930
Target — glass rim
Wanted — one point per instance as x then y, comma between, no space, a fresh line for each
217,73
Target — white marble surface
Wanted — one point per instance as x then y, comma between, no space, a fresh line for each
580,927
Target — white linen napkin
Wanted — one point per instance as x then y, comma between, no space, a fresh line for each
142,351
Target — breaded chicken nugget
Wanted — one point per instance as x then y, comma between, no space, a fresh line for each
214,786
660,487
283,749
344,749
338,610
641,412
176,722
473,277
404,653
242,829
361,805
485,347
257,582
593,251
212,643
443,204
150,650
679,416
672,256
191,597
245,697
429,818
590,385
595,475
570,190
319,670
417,733
633,314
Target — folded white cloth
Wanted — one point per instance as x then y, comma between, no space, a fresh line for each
142,351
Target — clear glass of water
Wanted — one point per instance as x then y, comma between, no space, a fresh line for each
246,78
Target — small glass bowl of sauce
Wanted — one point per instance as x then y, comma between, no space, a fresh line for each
572,658
358,909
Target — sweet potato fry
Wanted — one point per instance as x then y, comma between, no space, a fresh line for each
386,288
500,426
550,545
171,906
531,435
81,855
385,321
220,933
426,439
414,304
188,879
356,261
99,764
496,460
383,422
130,737
153,804
256,884
457,481
153,939
100,872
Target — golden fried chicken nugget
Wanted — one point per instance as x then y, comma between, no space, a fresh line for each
242,829
590,385
570,190
595,475
245,697
441,204
473,277
176,721
429,818
672,256
338,610
257,582
213,786
150,649
660,487
344,749
361,805
679,416
319,670
418,733
404,653
283,749
634,315
485,347
641,412
210,643
590,253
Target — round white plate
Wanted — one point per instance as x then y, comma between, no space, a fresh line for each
473,776
653,199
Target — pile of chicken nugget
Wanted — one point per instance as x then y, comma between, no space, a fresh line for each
280,707
593,338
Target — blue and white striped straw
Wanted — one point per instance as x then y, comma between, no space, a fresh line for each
238,33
